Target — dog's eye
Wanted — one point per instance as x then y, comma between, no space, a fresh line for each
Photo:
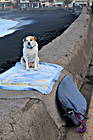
30,39
24,39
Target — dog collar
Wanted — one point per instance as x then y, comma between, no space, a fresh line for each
29,47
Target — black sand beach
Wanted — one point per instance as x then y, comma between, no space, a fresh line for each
49,23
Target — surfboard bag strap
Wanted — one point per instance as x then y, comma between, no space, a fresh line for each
72,102
80,117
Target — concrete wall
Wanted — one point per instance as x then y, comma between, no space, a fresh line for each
71,49
38,118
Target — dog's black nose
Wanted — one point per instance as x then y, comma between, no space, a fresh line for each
28,43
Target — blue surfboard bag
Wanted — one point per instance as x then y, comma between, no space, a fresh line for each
72,101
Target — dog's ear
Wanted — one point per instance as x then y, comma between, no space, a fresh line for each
24,39
35,38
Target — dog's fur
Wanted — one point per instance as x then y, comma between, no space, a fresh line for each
30,53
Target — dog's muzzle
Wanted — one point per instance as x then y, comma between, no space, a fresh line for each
29,43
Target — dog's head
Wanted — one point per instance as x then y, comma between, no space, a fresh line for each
30,41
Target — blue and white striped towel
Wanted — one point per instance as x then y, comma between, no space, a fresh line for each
42,80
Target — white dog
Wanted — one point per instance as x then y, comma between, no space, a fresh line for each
30,53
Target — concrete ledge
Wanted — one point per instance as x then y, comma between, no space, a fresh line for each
37,118
71,49
31,122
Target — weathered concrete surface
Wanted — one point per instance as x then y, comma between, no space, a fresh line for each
31,122
71,49
89,134
37,117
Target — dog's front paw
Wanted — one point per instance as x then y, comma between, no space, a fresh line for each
27,69
36,69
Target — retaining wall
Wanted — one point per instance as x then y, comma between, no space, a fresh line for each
71,49
38,118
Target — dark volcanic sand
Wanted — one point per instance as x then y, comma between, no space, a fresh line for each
49,24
